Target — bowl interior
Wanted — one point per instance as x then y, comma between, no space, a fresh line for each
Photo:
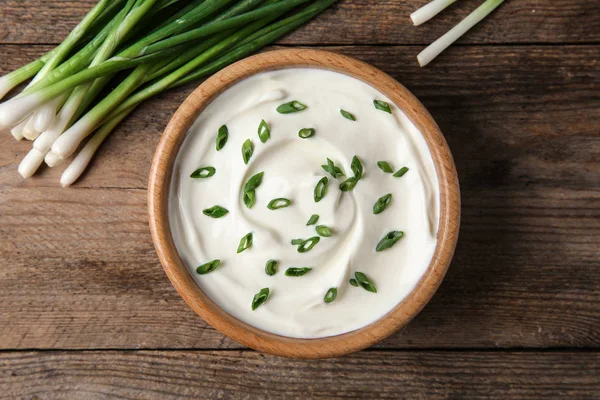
158,195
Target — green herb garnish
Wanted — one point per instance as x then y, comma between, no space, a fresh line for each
296,242
348,184
245,243
291,107
222,137
271,267
306,245
249,195
321,189
208,267
330,295
356,167
353,282
263,131
347,115
324,231
247,150
215,211
278,203
313,219
332,169
382,105
260,298
382,203
365,282
297,271
385,167
389,240
305,133
204,172
401,172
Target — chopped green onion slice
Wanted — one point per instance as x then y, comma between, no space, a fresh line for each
321,189
204,172
348,184
332,169
385,167
249,198
215,211
296,242
247,150
291,107
382,105
365,282
401,172
330,295
260,298
389,240
208,267
353,282
356,167
263,131
297,271
324,231
249,194
382,203
222,137
347,115
245,242
307,244
313,219
305,133
271,267
279,203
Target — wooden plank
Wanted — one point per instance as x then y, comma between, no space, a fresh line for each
364,22
249,375
526,267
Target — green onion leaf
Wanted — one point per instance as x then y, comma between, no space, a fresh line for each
245,242
305,133
332,169
321,189
382,105
204,172
249,198
307,244
247,150
263,131
356,167
348,184
249,194
324,231
215,211
365,282
313,219
297,271
389,240
382,203
353,282
208,267
296,242
330,295
291,107
347,115
271,267
222,137
260,298
279,203
385,167
401,172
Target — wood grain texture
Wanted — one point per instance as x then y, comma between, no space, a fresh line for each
526,268
249,375
364,22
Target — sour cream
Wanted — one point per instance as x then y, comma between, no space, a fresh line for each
292,167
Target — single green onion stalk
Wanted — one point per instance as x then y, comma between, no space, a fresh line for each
429,11
437,47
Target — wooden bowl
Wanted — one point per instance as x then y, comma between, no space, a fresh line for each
158,194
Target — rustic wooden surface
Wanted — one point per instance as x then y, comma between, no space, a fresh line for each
518,315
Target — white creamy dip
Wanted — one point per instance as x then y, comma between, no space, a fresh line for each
292,167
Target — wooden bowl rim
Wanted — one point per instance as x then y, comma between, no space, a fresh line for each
159,185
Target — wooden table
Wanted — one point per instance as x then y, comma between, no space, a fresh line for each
87,312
